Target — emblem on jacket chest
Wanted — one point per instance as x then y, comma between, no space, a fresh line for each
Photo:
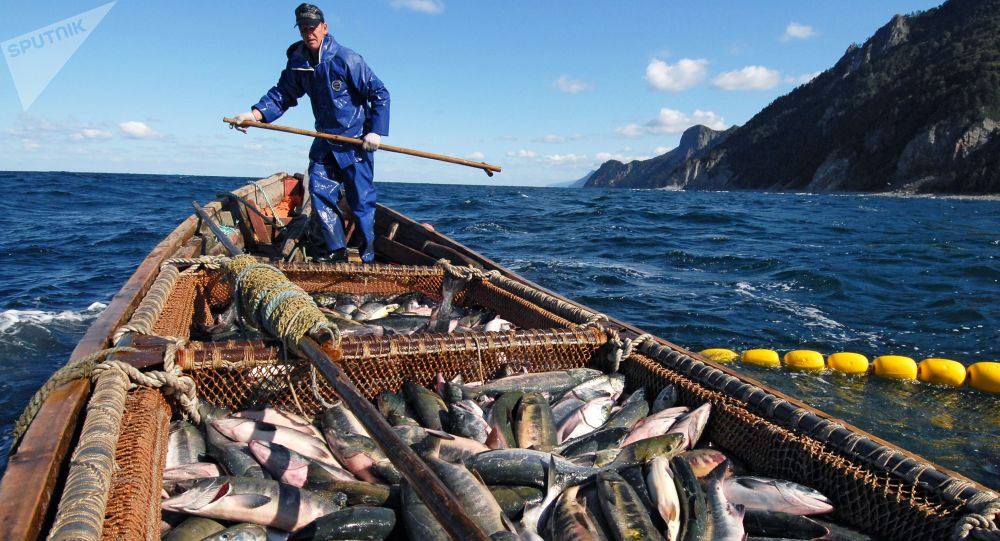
337,85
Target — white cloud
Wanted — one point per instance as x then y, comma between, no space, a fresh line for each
671,121
554,139
631,131
90,133
618,156
748,78
802,79
432,7
477,156
676,77
795,30
571,86
561,159
137,130
659,151
522,153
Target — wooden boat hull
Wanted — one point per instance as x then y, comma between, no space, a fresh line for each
32,480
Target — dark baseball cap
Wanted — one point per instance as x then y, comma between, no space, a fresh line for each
308,15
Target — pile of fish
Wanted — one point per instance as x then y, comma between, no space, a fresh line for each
404,314
562,455
374,315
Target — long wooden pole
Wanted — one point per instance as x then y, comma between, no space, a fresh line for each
441,502
488,168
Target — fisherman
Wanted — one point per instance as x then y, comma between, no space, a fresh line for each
347,99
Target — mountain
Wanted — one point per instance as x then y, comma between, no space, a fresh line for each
696,141
916,109
578,183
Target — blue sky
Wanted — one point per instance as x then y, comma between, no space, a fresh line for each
548,90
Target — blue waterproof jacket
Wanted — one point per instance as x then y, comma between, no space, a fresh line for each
347,98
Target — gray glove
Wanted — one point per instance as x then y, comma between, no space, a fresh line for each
249,116
372,141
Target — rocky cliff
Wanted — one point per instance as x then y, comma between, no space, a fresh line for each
658,172
916,108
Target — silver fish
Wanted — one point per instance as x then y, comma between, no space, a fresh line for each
258,501
727,517
663,490
551,383
280,418
240,532
763,494
246,430
185,444
294,469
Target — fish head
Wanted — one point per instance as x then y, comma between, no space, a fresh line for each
234,428
617,383
665,399
703,461
666,445
596,412
203,494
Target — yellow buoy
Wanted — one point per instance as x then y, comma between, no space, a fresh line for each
848,363
767,358
719,355
985,376
804,359
941,372
895,367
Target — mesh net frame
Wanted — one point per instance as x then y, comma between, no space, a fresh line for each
377,364
196,293
874,501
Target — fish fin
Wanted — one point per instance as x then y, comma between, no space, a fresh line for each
439,433
507,522
207,496
251,501
496,439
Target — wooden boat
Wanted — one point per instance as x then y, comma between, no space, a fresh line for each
876,487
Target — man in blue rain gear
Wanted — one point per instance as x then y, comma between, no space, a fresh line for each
347,99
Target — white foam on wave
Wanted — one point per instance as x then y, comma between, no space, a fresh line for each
811,316
814,316
12,320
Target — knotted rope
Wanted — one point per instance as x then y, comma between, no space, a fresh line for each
210,262
84,500
269,301
981,526
621,348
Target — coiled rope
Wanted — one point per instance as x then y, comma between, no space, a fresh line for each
981,526
270,302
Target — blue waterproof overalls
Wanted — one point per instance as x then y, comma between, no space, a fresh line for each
347,99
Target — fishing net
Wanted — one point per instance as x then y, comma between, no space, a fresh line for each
133,510
871,500
196,294
240,376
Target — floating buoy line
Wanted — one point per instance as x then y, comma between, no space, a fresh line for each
982,376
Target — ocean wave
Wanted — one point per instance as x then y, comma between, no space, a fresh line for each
12,320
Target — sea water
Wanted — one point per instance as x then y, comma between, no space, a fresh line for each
915,276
